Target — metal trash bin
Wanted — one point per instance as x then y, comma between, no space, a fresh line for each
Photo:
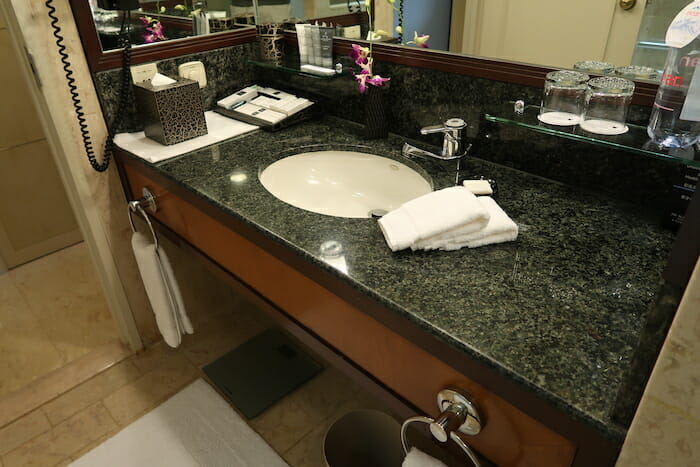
367,438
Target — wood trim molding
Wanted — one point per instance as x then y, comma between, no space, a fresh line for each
100,61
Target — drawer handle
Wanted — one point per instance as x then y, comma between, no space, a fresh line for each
459,414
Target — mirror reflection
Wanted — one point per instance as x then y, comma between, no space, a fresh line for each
549,33
542,32
162,20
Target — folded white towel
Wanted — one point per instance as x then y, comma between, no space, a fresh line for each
417,458
219,128
162,290
431,215
500,228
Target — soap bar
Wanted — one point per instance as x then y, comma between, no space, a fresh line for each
290,106
262,113
478,187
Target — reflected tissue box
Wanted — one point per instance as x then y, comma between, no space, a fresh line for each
171,113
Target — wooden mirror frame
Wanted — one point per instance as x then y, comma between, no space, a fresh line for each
510,72
99,60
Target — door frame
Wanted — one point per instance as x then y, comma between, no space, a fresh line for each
85,209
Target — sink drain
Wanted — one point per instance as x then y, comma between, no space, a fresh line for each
378,212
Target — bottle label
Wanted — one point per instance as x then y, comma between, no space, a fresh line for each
685,27
691,106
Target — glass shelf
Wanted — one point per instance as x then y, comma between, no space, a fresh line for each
290,66
635,140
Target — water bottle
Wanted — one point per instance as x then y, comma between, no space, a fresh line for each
675,117
669,126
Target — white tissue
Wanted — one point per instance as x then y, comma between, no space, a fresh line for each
161,80
417,458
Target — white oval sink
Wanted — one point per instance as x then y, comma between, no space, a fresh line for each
343,183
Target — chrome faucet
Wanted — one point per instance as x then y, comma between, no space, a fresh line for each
453,146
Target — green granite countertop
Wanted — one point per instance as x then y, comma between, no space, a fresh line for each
559,311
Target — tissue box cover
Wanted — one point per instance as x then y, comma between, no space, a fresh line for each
171,113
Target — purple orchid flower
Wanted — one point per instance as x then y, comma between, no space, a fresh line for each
359,54
377,80
420,40
153,31
365,77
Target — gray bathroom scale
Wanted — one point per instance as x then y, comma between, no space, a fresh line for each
258,373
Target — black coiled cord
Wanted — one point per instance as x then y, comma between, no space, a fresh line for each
124,93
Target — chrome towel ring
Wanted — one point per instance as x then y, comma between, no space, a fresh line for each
149,202
459,414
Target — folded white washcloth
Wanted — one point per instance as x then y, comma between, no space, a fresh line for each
500,228
417,458
162,290
431,215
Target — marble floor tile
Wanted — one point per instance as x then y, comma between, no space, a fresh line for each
219,335
19,432
154,357
326,393
46,388
69,437
283,425
308,452
136,398
92,445
26,351
91,391
65,296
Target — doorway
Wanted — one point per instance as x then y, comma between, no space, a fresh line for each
53,314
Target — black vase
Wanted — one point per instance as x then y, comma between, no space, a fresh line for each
375,116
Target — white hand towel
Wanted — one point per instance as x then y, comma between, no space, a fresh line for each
417,458
500,228
162,290
433,214
183,321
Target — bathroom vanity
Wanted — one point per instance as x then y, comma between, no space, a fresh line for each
539,331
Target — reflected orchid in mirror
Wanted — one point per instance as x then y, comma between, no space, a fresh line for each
362,58
419,40
153,30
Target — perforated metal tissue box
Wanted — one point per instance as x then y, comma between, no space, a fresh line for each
171,113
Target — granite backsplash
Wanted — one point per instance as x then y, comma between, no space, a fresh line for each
418,97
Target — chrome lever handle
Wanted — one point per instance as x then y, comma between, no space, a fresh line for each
433,129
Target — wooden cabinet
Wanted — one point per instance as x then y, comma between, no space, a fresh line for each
379,344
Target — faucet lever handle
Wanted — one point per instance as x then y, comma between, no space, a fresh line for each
450,125
432,129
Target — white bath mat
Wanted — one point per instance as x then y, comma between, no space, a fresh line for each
194,428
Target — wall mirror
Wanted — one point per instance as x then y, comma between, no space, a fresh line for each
166,20
546,33
450,48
